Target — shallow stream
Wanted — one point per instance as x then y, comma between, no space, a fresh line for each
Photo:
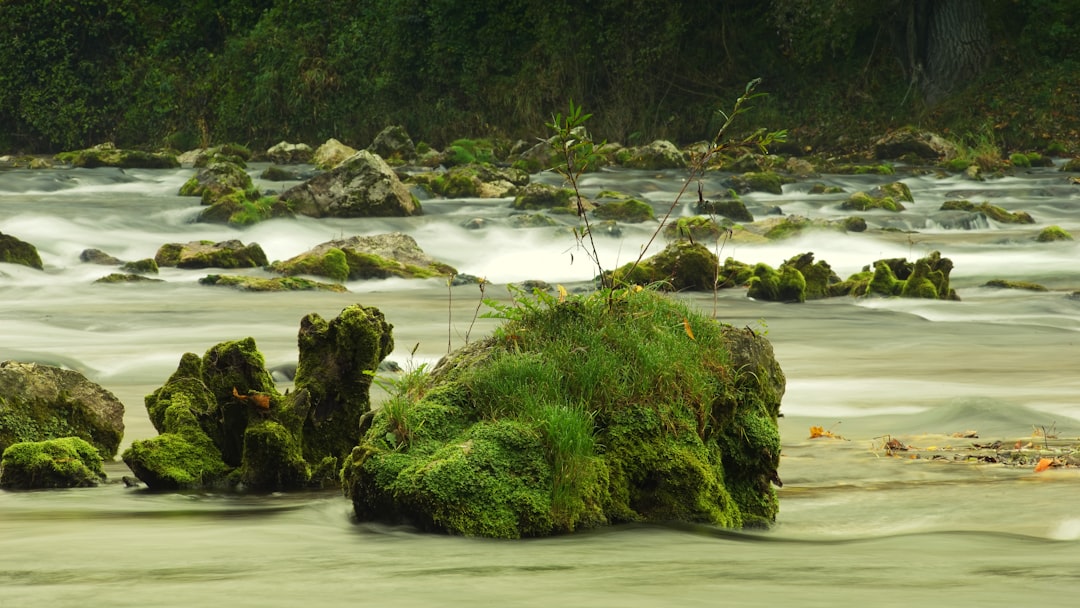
856,527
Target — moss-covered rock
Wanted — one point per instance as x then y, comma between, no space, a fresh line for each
337,358
144,266
16,251
39,402
246,283
108,155
535,197
239,209
379,256
660,154
1010,284
762,181
331,154
898,191
1053,233
285,153
223,423
394,144
910,141
219,178
208,254
861,201
927,277
68,462
577,414
126,277
698,228
732,208
478,180
682,265
989,211
631,211
363,185
531,220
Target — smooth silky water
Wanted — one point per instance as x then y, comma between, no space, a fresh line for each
856,527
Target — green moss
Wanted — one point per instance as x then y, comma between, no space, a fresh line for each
882,169
1053,233
993,212
1009,284
682,265
695,228
68,462
861,201
588,411
632,211
1019,160
272,458
275,284
146,266
15,251
541,196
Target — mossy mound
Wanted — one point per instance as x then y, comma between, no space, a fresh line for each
245,283
379,256
1010,284
682,265
108,155
223,423
631,211
68,462
208,254
219,178
476,180
861,201
17,251
595,410
733,209
700,228
989,211
1051,234
927,277
126,277
759,181
797,280
535,197
244,208
658,155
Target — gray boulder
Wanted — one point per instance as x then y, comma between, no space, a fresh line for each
909,141
394,143
39,402
364,185
285,153
331,154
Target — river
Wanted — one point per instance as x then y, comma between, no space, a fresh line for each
857,526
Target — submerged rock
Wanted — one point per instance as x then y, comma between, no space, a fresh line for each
68,462
987,210
380,256
246,283
222,422
363,185
16,251
39,402
1051,234
580,413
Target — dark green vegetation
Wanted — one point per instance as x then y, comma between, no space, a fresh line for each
68,462
144,73
578,412
223,423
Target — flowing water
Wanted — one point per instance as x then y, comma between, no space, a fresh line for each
856,526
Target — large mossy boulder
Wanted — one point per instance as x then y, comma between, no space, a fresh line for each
222,422
67,462
537,196
16,251
39,402
208,254
361,186
630,211
861,201
578,413
380,256
108,155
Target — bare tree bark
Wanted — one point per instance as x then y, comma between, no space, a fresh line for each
957,47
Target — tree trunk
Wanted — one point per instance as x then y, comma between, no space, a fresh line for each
956,46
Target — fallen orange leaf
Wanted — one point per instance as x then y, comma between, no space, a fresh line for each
686,326
1044,463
